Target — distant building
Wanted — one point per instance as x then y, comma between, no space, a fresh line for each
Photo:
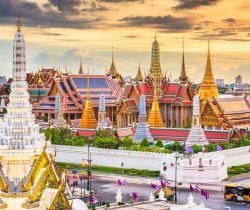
238,80
219,82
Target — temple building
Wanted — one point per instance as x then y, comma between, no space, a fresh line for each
221,112
174,98
73,91
27,170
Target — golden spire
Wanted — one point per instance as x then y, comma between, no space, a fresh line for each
183,77
88,119
208,88
112,71
19,24
155,69
139,76
155,118
80,69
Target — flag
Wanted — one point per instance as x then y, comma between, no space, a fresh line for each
166,182
119,182
205,194
188,149
74,171
155,186
219,148
163,184
135,195
125,182
93,199
191,189
203,149
197,188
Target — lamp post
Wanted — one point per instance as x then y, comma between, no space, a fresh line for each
89,161
175,184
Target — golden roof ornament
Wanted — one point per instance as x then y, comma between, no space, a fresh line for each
139,76
19,24
80,69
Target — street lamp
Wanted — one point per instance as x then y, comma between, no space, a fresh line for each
89,161
175,184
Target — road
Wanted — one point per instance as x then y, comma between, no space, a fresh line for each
106,191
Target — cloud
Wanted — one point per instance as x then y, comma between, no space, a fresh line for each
93,7
51,34
229,21
66,5
166,23
34,16
193,4
120,1
131,36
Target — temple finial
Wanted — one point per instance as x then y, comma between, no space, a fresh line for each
113,60
183,77
88,94
208,50
18,23
155,36
80,69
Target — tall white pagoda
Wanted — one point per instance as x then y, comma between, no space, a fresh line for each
29,178
20,139
196,134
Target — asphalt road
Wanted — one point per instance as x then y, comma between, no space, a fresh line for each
106,191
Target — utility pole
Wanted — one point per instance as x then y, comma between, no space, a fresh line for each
175,184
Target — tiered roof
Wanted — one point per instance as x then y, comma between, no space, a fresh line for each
74,89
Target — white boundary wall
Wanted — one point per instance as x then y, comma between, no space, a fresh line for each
136,159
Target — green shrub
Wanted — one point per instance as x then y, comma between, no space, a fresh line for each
159,143
144,143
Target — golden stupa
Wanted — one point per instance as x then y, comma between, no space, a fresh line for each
88,119
208,89
155,118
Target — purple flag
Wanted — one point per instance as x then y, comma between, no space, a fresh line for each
197,188
125,182
191,189
135,195
205,194
188,149
163,184
155,186
119,182
93,199
167,182
219,148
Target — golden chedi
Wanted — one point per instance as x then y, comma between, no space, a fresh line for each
88,119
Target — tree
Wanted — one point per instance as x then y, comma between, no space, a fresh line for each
176,147
144,143
107,142
188,123
159,143
127,142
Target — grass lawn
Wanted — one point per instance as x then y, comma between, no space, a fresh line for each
109,170
236,170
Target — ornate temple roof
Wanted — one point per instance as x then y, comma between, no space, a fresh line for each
155,69
74,89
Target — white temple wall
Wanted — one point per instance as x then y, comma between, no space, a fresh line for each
135,159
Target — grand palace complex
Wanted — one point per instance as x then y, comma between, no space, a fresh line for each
169,104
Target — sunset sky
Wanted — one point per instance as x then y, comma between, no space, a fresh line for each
57,32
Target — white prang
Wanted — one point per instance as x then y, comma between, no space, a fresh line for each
20,139
196,134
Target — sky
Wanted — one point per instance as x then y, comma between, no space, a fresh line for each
58,32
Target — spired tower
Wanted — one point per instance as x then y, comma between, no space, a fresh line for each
142,129
88,118
196,134
59,121
183,77
208,89
155,69
20,139
101,114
